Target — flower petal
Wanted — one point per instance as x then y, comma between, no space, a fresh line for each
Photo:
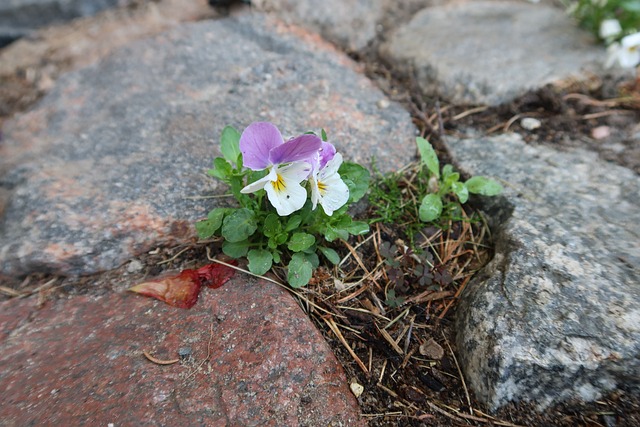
332,166
303,147
288,201
285,192
632,40
256,142
326,153
298,171
333,192
259,184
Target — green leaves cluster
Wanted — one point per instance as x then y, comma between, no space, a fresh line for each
446,191
255,231
590,14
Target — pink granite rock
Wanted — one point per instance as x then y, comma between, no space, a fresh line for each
256,360
111,163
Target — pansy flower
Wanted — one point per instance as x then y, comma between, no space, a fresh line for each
327,188
289,163
626,53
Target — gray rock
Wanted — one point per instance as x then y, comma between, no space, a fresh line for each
19,17
354,25
556,313
487,52
350,24
107,165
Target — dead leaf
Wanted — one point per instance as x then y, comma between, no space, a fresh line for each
432,350
216,275
182,290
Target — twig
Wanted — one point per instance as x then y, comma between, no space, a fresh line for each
195,370
464,385
445,413
440,123
605,113
408,338
159,361
388,390
174,257
289,289
469,112
10,292
390,340
332,325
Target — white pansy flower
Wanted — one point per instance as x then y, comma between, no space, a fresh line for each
283,188
609,29
327,188
626,53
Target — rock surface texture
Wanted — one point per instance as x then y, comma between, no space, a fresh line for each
556,314
350,24
488,52
104,166
80,362
19,17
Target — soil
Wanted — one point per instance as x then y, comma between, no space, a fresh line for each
401,348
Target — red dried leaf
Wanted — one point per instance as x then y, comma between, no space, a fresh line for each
180,291
216,275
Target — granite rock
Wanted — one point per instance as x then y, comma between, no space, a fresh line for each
488,52
79,361
350,24
106,166
353,25
556,313
20,17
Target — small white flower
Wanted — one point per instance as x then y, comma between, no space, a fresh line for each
327,188
609,29
626,53
283,188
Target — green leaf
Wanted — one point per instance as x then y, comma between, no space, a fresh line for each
235,249
447,170
631,6
239,225
430,208
230,144
452,178
281,238
330,254
300,242
356,178
272,225
260,261
276,256
206,228
392,300
484,186
332,233
312,257
428,156
323,135
221,169
358,227
461,191
300,270
293,223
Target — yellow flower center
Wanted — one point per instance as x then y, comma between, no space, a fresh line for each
322,187
278,184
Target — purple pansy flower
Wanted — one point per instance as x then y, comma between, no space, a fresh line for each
289,163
